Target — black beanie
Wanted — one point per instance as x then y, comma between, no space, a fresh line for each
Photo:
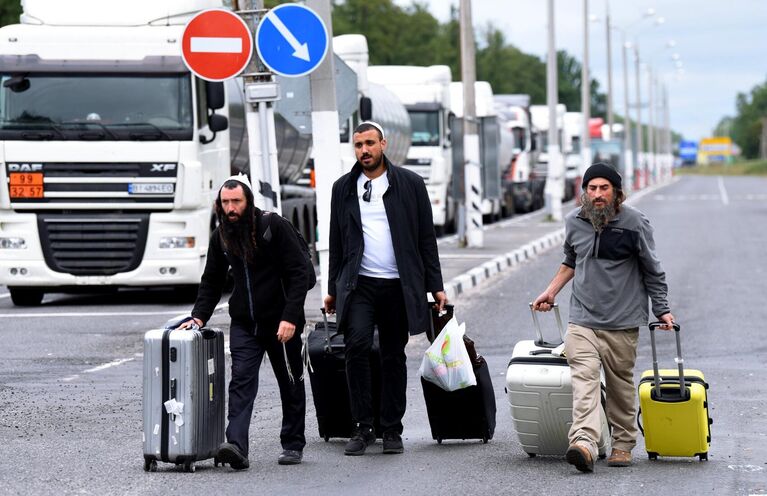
601,169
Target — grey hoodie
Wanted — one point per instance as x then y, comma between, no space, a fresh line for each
615,271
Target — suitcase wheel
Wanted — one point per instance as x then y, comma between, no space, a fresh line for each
439,440
189,467
531,455
703,457
602,456
484,440
150,465
216,462
327,438
652,456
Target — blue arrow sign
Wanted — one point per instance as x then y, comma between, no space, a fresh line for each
291,40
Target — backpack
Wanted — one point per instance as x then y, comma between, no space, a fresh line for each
311,277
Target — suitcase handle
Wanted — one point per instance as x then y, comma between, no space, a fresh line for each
679,360
539,334
328,348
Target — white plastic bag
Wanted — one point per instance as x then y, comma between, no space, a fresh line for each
446,362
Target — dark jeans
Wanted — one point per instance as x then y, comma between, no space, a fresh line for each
377,302
247,353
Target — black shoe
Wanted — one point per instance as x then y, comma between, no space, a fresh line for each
231,454
290,457
392,443
362,438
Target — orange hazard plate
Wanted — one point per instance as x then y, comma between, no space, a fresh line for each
26,185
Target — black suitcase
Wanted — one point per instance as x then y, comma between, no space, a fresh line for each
327,376
467,413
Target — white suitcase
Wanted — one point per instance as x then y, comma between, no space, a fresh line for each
540,395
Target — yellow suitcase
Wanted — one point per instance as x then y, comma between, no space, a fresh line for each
674,413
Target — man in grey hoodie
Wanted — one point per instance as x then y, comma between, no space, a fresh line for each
610,254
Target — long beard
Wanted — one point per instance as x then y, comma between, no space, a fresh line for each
598,216
238,237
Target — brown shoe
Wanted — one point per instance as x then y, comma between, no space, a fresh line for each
619,458
580,456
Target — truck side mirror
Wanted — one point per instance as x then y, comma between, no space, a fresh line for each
214,94
366,108
216,123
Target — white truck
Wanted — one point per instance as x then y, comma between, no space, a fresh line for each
425,91
522,190
375,103
111,151
572,129
489,146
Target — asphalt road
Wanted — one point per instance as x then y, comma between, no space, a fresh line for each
70,382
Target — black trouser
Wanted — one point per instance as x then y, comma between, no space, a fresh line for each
377,302
247,353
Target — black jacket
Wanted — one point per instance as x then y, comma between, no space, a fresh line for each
408,210
272,289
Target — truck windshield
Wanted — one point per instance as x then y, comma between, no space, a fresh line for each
425,127
38,106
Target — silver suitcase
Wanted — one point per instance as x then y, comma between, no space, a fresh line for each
540,394
184,396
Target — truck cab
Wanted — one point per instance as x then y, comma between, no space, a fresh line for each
425,91
111,152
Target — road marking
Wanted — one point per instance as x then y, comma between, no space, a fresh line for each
216,45
120,361
745,468
723,192
88,314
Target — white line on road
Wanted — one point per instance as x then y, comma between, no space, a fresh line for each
723,192
86,314
216,45
120,361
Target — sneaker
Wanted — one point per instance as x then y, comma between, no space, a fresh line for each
290,457
619,458
580,456
231,454
392,443
362,438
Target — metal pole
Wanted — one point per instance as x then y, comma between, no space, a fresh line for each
650,170
585,101
473,168
629,165
325,138
610,121
554,178
639,180
668,147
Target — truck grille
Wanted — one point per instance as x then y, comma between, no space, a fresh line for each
93,245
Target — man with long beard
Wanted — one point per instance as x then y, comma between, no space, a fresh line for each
266,307
610,253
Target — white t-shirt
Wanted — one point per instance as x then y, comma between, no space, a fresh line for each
378,258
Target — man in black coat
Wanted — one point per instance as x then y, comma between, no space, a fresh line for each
383,260
266,307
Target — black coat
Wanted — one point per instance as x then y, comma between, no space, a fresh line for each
270,289
408,210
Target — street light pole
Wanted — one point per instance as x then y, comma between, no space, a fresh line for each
610,120
473,168
639,180
628,173
585,100
650,171
554,179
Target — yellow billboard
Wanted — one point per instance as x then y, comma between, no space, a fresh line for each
715,150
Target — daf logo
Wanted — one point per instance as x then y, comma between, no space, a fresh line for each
25,167
163,167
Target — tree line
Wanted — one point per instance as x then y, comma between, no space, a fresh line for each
746,127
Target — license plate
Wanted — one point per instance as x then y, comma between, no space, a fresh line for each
150,188
26,185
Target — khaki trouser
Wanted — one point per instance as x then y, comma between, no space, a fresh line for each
615,351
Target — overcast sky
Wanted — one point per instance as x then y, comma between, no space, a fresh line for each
721,44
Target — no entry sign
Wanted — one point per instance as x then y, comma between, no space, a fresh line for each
216,45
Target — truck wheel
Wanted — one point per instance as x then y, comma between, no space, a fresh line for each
26,297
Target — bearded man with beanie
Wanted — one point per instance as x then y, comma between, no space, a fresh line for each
610,256
266,307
